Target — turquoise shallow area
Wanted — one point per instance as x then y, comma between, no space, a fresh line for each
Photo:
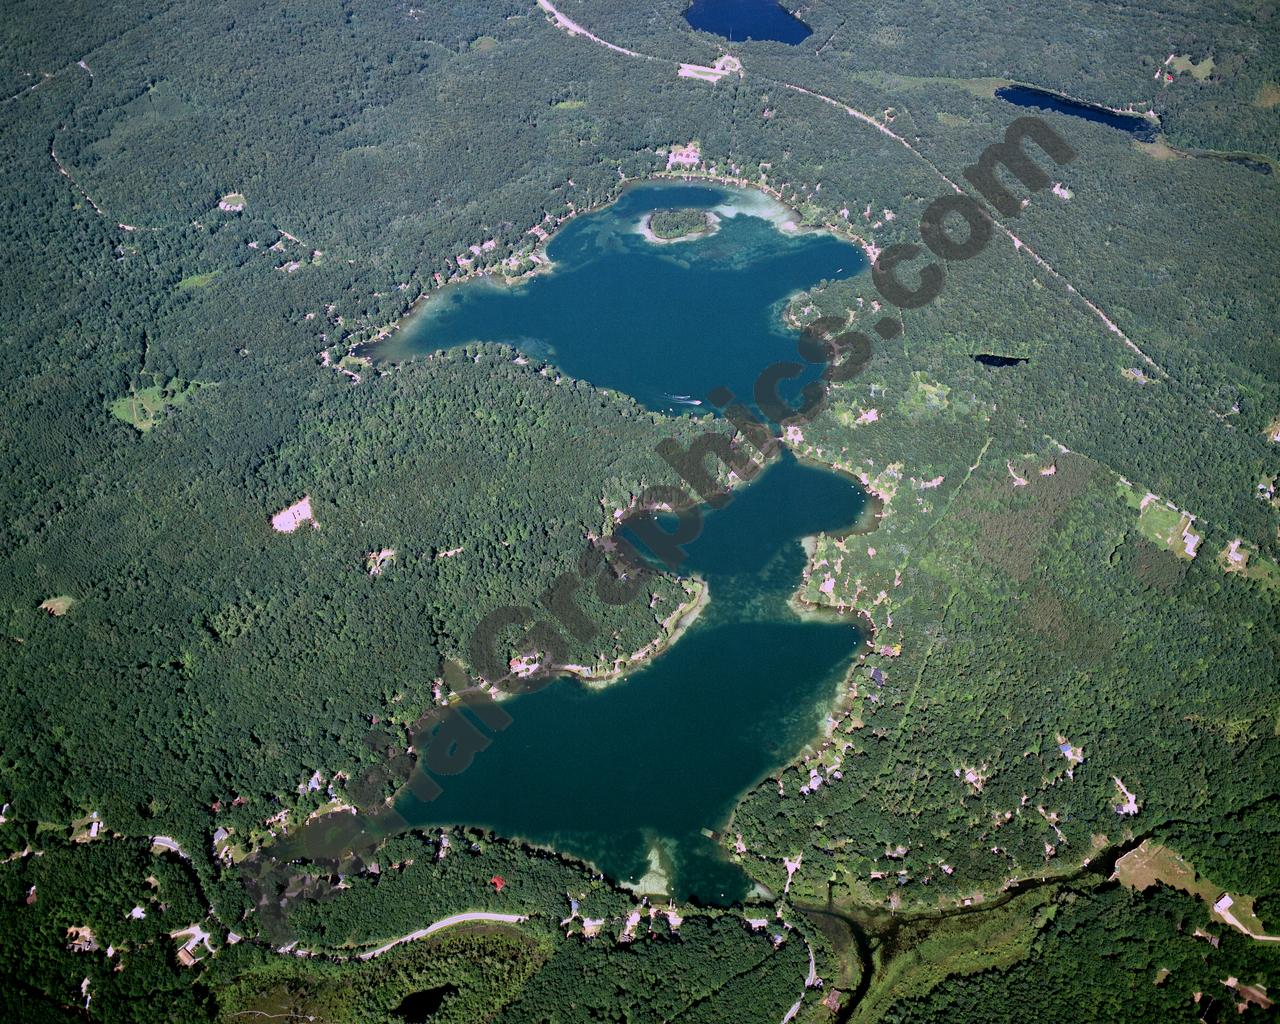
665,323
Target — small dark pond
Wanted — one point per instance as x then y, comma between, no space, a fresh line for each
418,1007
990,360
1141,128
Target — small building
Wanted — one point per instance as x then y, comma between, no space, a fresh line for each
82,939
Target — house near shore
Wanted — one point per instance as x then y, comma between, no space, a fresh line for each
684,156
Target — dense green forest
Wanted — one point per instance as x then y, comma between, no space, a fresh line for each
1101,955
208,209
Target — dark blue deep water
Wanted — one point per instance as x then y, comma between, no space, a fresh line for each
1025,96
747,19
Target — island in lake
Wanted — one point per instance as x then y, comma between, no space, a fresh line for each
678,225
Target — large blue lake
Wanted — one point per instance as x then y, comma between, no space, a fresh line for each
632,775
654,759
666,323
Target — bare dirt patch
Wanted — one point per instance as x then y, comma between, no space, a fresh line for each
726,65
289,519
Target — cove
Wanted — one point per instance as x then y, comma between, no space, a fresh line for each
664,323
648,763
1141,128
747,19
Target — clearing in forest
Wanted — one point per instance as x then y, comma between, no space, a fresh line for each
1169,527
726,65
289,519
1158,150
143,408
57,606
1243,558
925,397
1151,864
1162,524
193,281
1183,64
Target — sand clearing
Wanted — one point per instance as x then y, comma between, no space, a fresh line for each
726,65
289,519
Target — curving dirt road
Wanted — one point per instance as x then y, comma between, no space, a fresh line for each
445,922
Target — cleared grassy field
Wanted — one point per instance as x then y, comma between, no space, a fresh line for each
1164,526
143,408
1184,64
1152,864
194,281
57,606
